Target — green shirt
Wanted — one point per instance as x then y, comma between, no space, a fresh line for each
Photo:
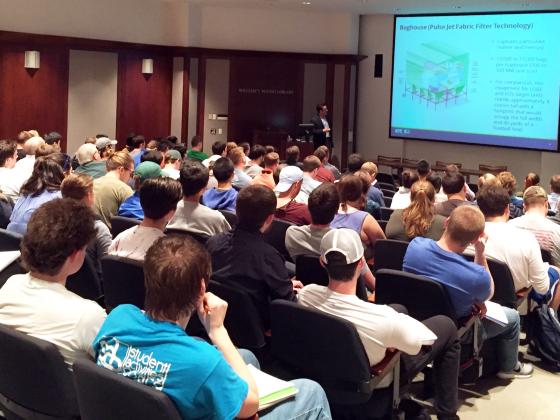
95,168
196,155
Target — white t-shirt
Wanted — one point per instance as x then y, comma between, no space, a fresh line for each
134,242
307,187
213,158
379,326
11,181
401,199
546,232
172,172
521,252
52,313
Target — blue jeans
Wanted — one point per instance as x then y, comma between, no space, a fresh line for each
508,338
310,403
553,277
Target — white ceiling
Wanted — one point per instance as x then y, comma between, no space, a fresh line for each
390,6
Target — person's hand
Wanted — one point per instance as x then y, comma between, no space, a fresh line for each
211,312
479,309
480,244
326,130
297,284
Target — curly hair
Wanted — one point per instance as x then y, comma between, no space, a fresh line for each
55,231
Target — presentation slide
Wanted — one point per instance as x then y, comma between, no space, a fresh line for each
490,79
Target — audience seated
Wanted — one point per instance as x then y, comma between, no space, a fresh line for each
436,182
256,156
152,155
42,186
554,196
471,196
25,165
191,216
509,182
111,190
401,199
246,150
232,145
158,197
381,327
22,137
203,380
53,138
354,163
289,185
266,177
323,174
517,248
423,169
218,151
138,146
90,162
131,207
196,153
326,163
469,284
9,186
38,303
105,147
352,191
532,179
223,196
323,205
311,166
292,158
243,258
240,179
172,164
455,187
547,233
374,193
79,187
419,218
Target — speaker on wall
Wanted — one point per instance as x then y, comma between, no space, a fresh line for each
378,66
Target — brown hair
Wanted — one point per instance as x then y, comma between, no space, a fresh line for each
236,155
271,159
350,188
174,269
534,195
408,178
555,184
118,160
46,150
465,224
493,200
231,145
508,181
322,152
57,229
292,155
47,175
310,163
488,179
419,215
7,150
254,204
76,186
370,168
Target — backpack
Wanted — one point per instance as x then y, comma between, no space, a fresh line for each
543,334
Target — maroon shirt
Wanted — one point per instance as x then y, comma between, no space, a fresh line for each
324,175
293,212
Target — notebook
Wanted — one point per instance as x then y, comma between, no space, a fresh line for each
495,313
8,257
271,389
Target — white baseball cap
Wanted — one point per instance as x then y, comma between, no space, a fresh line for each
102,142
289,175
344,241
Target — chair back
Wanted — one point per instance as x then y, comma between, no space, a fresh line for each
442,164
421,296
385,212
387,200
123,281
309,270
35,382
104,394
393,162
387,193
276,236
493,169
85,282
383,224
473,187
410,163
120,224
546,256
242,321
385,181
389,253
230,216
9,241
199,237
321,347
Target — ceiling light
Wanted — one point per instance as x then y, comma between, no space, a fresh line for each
306,3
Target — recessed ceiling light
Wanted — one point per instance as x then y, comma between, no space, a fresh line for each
306,3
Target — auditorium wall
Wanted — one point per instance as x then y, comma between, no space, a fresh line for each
376,37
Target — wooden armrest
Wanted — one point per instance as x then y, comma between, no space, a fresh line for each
381,368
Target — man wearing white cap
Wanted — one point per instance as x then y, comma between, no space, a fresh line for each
289,185
381,327
90,161
105,147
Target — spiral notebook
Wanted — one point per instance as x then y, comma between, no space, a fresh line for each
272,390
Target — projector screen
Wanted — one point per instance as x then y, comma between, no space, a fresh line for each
490,79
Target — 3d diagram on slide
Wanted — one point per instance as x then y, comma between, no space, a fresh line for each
436,73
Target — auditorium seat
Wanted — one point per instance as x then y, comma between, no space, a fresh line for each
35,382
104,394
383,185
120,224
123,281
310,271
385,180
199,237
389,253
86,283
230,216
493,169
388,201
276,236
9,241
388,193
442,164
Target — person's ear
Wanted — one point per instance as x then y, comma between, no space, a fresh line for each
446,223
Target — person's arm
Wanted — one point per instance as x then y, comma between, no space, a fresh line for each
211,313
103,241
538,269
480,259
277,277
317,126
372,230
369,278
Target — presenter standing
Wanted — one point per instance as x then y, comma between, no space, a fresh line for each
321,128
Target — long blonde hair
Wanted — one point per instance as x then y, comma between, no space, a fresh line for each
419,215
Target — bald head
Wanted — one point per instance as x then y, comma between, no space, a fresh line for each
31,145
465,225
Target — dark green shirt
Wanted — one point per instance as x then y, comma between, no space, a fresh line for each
95,168
196,155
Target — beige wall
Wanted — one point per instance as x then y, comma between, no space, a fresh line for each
177,97
216,98
337,112
376,37
92,96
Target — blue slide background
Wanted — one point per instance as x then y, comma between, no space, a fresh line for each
513,83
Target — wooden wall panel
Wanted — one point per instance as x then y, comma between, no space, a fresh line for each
33,99
143,102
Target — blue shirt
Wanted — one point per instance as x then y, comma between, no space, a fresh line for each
465,281
220,199
376,195
131,207
160,354
25,207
